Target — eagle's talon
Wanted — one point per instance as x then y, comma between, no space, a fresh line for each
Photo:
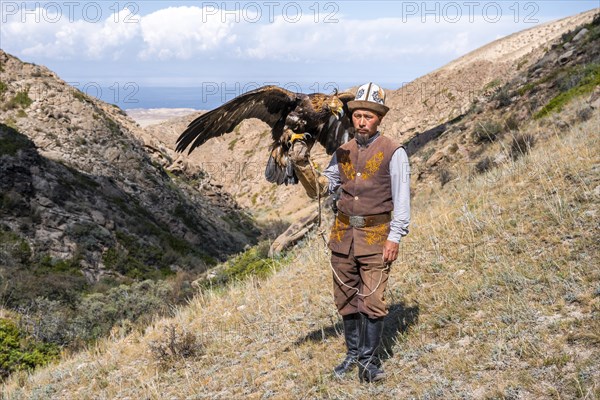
298,136
299,151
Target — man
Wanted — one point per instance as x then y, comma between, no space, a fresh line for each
373,173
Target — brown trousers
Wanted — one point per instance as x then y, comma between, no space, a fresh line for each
363,273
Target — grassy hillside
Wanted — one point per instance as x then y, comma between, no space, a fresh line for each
496,295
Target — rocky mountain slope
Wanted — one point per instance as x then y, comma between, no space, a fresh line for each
496,293
79,187
420,111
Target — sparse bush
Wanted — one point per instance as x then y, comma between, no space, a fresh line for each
273,228
492,84
79,95
567,36
487,131
11,123
3,88
89,235
175,345
445,176
483,165
584,113
521,145
475,108
92,316
569,80
14,249
47,320
138,259
503,98
512,123
21,100
427,153
99,312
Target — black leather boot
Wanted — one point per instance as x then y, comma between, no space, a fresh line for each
369,365
351,325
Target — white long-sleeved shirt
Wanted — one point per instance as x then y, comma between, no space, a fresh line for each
400,176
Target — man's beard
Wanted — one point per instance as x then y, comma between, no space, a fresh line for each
362,138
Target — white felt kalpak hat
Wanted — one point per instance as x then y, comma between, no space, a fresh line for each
369,97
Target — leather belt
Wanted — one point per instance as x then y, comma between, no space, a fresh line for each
357,221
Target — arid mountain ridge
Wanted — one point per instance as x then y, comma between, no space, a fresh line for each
419,111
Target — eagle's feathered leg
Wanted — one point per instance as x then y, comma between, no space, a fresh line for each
290,174
279,167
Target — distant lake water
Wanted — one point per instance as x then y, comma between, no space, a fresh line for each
129,96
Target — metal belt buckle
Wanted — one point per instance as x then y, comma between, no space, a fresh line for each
357,221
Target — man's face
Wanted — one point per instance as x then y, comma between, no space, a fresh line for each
365,122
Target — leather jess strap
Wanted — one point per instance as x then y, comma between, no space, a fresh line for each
364,221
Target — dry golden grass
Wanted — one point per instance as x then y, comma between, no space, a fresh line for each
496,296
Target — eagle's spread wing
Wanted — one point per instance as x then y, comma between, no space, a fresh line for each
337,131
270,104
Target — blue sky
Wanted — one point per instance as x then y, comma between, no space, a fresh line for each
199,43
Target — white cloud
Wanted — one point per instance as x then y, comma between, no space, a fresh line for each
114,33
182,33
193,33
53,36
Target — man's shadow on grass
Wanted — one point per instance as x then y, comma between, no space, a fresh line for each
398,320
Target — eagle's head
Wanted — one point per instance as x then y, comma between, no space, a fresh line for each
336,106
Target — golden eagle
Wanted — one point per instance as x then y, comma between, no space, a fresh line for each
314,117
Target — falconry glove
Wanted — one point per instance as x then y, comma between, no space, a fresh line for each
315,184
299,152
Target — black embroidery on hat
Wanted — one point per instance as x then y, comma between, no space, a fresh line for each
377,98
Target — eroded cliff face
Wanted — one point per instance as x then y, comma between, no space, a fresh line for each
77,185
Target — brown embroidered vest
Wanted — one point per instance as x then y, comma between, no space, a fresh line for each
366,190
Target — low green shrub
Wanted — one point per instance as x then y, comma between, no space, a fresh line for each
589,81
21,99
14,249
19,352
253,262
3,88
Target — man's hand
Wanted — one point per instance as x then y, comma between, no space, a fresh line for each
390,251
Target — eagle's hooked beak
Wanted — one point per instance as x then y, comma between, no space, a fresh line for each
338,112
